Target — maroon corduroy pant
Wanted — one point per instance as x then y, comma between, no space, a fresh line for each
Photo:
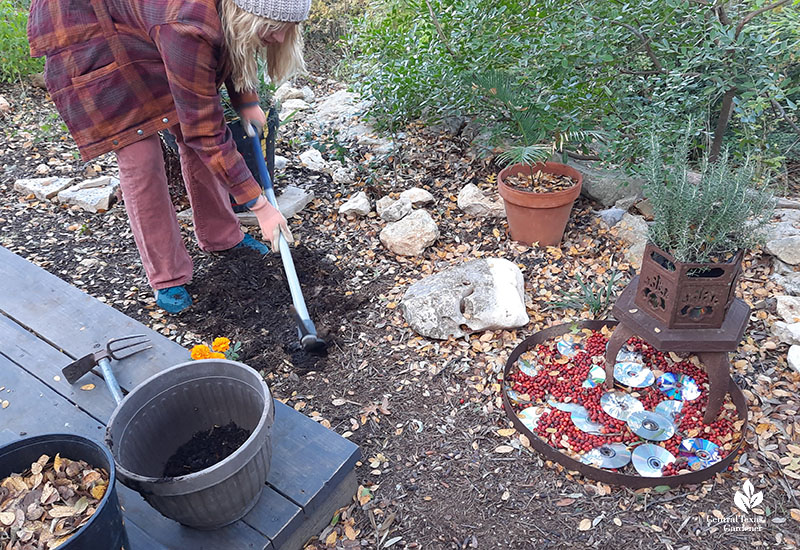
152,216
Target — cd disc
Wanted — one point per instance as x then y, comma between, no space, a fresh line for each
700,453
567,407
649,459
597,375
517,398
620,405
626,355
582,422
527,367
569,345
611,455
651,426
634,375
680,387
531,415
670,408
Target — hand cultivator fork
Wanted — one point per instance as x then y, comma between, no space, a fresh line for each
116,348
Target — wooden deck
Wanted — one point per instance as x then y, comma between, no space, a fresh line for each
46,323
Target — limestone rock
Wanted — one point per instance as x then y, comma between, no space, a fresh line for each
293,199
786,249
411,235
793,358
357,205
474,203
789,308
312,159
342,176
5,106
42,169
788,333
417,196
611,216
632,230
42,188
292,106
307,94
604,185
94,195
286,91
786,276
280,163
786,225
338,107
478,295
391,210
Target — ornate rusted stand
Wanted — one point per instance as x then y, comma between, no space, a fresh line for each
710,344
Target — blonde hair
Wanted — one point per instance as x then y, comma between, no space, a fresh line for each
243,31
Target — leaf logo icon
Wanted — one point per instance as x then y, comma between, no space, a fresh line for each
747,498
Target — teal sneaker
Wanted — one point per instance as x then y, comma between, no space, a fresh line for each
173,299
252,244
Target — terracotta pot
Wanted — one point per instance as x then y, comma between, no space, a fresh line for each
538,217
686,295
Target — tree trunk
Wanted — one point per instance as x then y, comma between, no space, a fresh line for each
722,124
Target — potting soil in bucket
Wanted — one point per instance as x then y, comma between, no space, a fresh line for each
174,411
57,490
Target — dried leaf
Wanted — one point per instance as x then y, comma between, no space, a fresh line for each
87,387
331,539
585,524
99,490
504,449
505,432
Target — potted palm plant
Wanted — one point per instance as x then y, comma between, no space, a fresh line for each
698,237
538,193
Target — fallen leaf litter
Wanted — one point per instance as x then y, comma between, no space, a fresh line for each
43,506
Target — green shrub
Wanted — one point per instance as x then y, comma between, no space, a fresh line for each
15,59
707,220
325,31
621,67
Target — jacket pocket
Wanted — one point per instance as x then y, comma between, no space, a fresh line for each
97,73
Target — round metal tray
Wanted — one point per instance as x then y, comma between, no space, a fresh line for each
599,474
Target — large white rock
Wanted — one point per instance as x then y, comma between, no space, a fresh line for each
786,249
357,205
478,295
784,275
787,224
604,185
312,159
417,196
293,199
94,195
280,163
391,210
287,91
337,108
411,235
788,333
789,308
473,202
5,106
793,358
42,188
632,230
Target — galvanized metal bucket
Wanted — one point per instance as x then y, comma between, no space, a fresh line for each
165,411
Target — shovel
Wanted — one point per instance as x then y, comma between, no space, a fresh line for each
116,348
305,326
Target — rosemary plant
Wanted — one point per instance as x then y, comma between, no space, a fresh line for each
707,221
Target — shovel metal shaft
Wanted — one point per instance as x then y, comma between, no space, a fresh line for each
286,254
111,381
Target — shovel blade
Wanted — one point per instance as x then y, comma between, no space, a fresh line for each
75,370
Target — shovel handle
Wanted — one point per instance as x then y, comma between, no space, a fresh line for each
111,381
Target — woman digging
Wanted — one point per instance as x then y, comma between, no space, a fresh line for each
120,71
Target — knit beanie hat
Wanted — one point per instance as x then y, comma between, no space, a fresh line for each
278,10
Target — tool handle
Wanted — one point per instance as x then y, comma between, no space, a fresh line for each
111,381
283,246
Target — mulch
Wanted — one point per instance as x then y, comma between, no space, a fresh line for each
425,413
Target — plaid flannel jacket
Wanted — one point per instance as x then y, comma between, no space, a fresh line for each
122,70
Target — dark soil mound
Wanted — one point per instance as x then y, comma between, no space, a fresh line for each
205,449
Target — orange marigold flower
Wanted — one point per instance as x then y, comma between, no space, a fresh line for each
216,355
200,351
220,344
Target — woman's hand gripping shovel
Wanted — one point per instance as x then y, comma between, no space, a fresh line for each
305,326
